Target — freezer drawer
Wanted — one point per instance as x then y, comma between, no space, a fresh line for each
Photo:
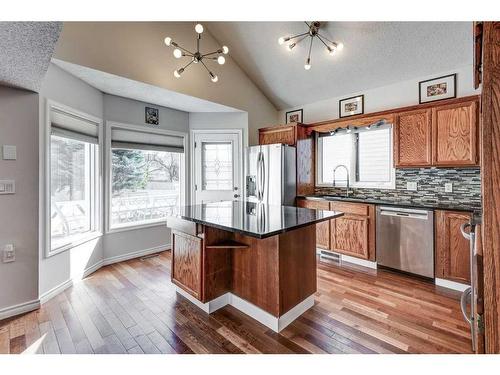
405,240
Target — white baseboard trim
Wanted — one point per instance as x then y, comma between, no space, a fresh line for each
55,291
135,254
359,262
21,308
90,270
450,284
275,323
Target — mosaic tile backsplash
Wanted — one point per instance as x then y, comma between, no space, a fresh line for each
430,184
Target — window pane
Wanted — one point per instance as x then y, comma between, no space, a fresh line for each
374,156
217,166
145,186
70,184
337,149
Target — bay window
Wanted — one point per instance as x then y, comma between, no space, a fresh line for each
146,176
73,179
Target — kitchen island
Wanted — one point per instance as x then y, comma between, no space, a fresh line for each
257,257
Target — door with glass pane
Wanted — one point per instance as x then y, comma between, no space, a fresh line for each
217,166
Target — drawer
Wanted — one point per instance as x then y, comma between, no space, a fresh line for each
184,226
316,204
351,208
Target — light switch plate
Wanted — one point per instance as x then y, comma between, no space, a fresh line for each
9,152
9,253
448,187
411,186
7,186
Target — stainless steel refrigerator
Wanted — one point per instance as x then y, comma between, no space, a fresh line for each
270,174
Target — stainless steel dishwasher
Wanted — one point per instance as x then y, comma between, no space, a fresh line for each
405,239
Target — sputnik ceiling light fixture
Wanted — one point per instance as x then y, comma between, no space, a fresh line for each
197,57
312,33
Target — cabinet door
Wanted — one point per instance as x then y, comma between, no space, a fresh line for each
323,228
350,236
452,249
412,138
279,134
186,262
455,134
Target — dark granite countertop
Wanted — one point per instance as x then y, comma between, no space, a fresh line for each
253,219
406,203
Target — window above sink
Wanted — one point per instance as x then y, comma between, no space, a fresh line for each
367,154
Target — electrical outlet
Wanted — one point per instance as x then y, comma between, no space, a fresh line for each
448,187
9,152
9,253
411,186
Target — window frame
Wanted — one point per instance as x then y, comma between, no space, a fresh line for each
95,182
108,173
353,183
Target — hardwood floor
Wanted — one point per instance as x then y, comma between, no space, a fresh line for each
131,307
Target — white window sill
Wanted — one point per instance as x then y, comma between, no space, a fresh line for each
76,241
136,226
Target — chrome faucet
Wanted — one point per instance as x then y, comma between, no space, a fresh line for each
347,174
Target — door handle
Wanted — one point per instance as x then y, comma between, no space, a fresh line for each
464,233
236,195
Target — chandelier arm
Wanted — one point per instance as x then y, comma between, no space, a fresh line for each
298,35
198,43
307,23
189,63
310,48
211,53
206,67
183,49
324,37
322,41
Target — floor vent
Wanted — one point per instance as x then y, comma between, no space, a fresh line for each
328,255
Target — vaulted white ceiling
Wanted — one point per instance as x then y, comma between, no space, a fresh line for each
375,54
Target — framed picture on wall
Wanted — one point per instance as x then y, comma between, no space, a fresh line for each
355,105
294,116
437,89
152,116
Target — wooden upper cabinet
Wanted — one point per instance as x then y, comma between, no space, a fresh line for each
186,263
323,228
286,134
455,134
412,138
452,249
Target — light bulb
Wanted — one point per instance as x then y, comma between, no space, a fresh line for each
331,51
281,41
307,65
168,40
225,50
221,60
340,46
213,77
177,53
290,47
177,74
198,28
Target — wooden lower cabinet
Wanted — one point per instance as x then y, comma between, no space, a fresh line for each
322,229
451,248
354,233
186,262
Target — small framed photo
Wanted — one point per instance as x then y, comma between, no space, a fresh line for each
152,116
354,105
294,116
437,89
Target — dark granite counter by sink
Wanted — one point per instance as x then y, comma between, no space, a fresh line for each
402,203
252,219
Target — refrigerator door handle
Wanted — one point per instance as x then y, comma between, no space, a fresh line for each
259,176
263,177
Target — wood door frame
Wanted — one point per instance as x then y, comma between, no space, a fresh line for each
192,161
490,178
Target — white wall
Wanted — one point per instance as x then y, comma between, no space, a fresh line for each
383,98
123,110
18,219
135,50
70,91
236,120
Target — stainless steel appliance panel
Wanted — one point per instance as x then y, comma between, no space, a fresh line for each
405,240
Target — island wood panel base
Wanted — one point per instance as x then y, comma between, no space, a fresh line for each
273,276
